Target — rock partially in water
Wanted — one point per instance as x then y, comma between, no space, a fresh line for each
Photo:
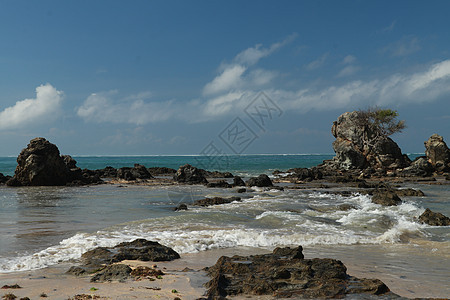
386,198
219,184
409,193
215,201
119,272
137,172
285,273
181,206
434,218
237,181
156,171
261,181
190,175
4,179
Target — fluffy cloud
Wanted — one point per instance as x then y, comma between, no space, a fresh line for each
232,76
104,107
45,107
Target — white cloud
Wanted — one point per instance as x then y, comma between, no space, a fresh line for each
135,109
319,62
228,79
44,108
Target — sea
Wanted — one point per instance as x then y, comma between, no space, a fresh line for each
47,226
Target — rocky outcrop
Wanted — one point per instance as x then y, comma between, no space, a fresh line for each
216,174
4,178
357,146
420,167
386,198
40,164
286,274
137,172
190,175
119,272
434,218
237,181
215,201
437,153
261,181
158,171
219,184
139,249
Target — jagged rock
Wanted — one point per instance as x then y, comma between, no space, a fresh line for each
76,271
143,271
219,184
137,172
437,152
386,198
118,272
40,164
108,172
285,274
434,218
155,171
139,249
409,193
216,174
261,181
4,179
215,201
237,181
182,206
358,147
190,175
419,167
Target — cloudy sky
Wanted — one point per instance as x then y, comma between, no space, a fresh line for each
172,77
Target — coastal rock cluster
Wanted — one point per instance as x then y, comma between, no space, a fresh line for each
286,274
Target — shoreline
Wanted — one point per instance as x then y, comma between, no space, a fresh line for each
185,275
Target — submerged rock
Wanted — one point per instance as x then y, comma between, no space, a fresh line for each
386,198
434,218
261,181
215,201
285,273
190,175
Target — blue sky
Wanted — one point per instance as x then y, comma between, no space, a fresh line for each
172,77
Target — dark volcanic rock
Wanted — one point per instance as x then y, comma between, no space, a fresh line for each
219,184
437,152
108,172
139,249
118,272
285,273
409,193
386,198
434,219
155,171
419,167
137,172
357,146
237,181
190,175
182,206
215,201
261,181
216,174
40,164
4,179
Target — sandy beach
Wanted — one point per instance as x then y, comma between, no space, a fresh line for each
184,278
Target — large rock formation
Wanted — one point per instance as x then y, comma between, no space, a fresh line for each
286,274
40,164
190,175
357,146
437,152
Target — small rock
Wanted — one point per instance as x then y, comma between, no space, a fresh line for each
182,206
434,218
219,184
242,190
261,181
386,198
215,201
